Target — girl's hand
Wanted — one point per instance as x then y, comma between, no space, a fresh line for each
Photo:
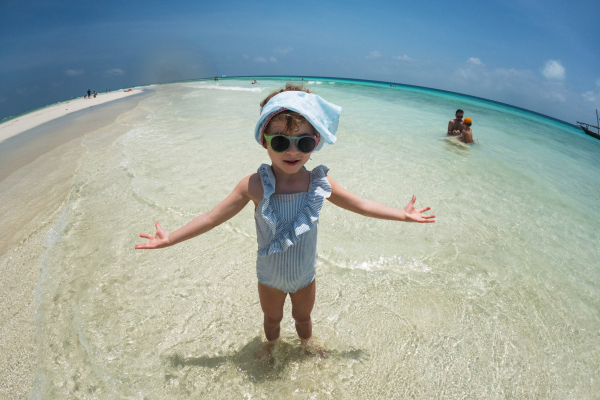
161,239
414,215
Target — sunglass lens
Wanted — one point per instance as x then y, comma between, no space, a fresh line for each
306,144
280,144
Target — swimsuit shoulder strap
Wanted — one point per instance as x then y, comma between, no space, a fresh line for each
319,188
267,179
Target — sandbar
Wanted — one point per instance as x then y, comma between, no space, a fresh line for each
39,155
31,135
30,120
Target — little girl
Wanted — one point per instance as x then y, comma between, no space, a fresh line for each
288,198
466,135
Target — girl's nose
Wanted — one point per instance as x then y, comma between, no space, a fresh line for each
293,148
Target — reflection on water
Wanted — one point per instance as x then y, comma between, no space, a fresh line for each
498,299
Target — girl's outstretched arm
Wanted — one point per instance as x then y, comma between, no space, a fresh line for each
245,191
351,202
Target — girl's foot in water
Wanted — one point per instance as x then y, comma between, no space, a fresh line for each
313,346
265,350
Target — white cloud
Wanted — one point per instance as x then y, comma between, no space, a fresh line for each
520,87
466,74
475,61
374,54
554,71
589,96
260,59
513,73
272,59
246,57
403,58
282,51
115,72
524,88
74,72
598,82
555,95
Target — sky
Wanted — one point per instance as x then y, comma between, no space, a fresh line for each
539,55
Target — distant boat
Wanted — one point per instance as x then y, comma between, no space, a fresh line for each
586,127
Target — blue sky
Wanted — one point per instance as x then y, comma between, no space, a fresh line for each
539,55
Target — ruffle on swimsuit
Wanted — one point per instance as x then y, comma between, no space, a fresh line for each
284,235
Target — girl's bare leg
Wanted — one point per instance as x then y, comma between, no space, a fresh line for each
302,304
271,302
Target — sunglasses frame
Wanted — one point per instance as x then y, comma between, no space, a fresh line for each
290,138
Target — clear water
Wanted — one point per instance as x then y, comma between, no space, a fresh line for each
498,299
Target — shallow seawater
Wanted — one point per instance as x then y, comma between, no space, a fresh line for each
498,299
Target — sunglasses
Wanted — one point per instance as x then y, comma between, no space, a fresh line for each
281,143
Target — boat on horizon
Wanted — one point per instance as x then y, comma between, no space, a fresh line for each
586,127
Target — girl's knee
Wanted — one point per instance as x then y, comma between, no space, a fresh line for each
301,319
273,320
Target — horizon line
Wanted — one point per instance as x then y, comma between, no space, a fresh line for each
350,80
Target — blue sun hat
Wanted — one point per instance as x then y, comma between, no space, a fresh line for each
323,115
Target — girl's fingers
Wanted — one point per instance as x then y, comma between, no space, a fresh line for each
145,235
146,245
422,210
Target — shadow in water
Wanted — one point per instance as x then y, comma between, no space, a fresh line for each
266,369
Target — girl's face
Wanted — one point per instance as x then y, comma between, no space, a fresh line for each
292,160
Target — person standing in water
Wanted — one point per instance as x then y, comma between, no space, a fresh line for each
466,135
455,126
287,200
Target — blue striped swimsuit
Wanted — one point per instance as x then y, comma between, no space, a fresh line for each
286,231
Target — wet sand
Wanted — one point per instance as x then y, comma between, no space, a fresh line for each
22,123
37,167
48,129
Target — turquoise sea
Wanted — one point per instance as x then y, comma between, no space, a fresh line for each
499,298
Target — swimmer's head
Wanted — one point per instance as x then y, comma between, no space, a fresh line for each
467,121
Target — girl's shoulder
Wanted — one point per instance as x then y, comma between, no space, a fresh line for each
255,186
251,187
254,179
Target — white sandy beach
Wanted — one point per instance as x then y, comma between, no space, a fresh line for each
34,184
25,122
